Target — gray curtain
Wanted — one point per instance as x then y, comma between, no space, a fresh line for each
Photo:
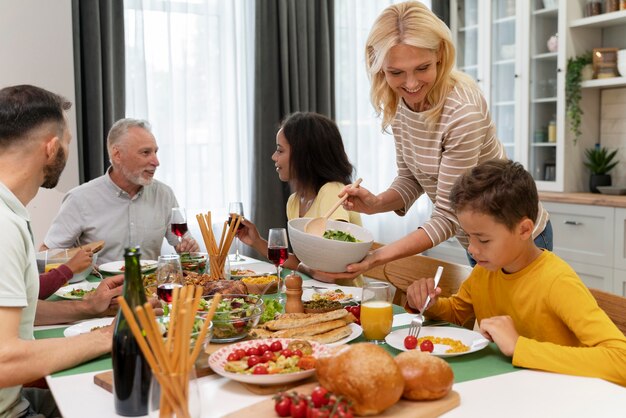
98,28
294,65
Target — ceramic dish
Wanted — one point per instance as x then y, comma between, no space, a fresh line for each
218,359
87,326
117,267
65,292
472,339
614,190
351,293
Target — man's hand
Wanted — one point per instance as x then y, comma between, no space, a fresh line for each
103,301
187,245
501,330
419,290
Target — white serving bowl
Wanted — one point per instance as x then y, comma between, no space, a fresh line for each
621,55
56,257
621,67
327,254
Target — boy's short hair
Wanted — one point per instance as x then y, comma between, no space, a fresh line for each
502,189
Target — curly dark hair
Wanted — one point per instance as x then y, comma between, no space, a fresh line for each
500,188
24,108
317,155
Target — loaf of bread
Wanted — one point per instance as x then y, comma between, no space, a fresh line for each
364,373
426,377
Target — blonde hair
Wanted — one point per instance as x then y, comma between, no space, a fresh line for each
410,23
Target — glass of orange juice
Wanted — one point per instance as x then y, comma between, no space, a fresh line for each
376,311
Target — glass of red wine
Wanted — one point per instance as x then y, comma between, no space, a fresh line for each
235,208
178,221
169,275
277,251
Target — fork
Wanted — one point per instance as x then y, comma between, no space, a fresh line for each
416,323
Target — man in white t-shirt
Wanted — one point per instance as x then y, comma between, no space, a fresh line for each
34,143
124,207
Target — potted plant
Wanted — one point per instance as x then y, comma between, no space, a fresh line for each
573,78
600,162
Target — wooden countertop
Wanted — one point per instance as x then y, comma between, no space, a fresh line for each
596,199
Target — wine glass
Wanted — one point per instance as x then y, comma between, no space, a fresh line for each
376,311
235,208
179,223
169,275
277,251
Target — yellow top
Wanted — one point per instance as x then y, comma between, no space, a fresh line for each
561,327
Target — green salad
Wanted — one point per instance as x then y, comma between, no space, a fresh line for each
339,236
233,318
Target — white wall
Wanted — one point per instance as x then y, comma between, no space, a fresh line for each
36,48
613,130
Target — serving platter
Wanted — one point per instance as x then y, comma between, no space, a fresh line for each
65,292
472,339
87,326
353,294
117,267
218,359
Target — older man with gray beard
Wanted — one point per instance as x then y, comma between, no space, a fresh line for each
124,207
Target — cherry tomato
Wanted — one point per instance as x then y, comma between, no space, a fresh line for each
276,346
297,352
282,405
317,413
410,342
259,369
286,353
252,351
241,353
320,396
253,360
427,345
263,348
299,407
239,324
268,356
233,357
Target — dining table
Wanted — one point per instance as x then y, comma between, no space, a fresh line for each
486,381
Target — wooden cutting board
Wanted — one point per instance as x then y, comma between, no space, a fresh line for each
402,409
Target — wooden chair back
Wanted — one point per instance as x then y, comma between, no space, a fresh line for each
613,305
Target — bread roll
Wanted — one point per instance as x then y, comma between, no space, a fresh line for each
426,377
365,374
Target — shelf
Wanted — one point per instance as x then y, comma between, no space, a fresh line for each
508,19
505,103
504,62
543,144
601,21
546,56
554,12
604,83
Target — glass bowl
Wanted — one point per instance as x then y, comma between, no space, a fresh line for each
235,316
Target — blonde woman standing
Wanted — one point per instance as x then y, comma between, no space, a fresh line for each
441,127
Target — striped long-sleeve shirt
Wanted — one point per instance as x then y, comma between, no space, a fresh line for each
430,160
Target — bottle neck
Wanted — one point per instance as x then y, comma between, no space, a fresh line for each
133,291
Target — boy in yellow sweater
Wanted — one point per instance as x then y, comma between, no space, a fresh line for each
528,301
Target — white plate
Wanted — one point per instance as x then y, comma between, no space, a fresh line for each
217,361
472,339
307,293
259,269
116,267
356,331
85,327
64,292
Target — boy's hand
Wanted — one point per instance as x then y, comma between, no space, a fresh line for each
501,330
80,261
419,290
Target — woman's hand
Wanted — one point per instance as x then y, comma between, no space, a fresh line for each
501,330
359,200
248,234
419,290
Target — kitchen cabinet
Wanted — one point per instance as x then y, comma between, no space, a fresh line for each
506,46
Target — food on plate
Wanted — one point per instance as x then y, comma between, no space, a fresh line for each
264,359
79,293
195,262
225,287
410,342
266,279
272,308
356,311
267,284
321,306
339,235
426,377
456,346
364,373
322,328
301,345
333,294
234,317
242,272
190,278
427,346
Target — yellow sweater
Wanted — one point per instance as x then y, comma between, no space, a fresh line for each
561,327
325,199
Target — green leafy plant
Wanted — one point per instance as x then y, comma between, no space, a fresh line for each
600,159
573,78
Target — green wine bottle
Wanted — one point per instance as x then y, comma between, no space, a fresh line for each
131,372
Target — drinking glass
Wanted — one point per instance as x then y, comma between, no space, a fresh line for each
376,311
235,208
169,275
178,222
277,252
